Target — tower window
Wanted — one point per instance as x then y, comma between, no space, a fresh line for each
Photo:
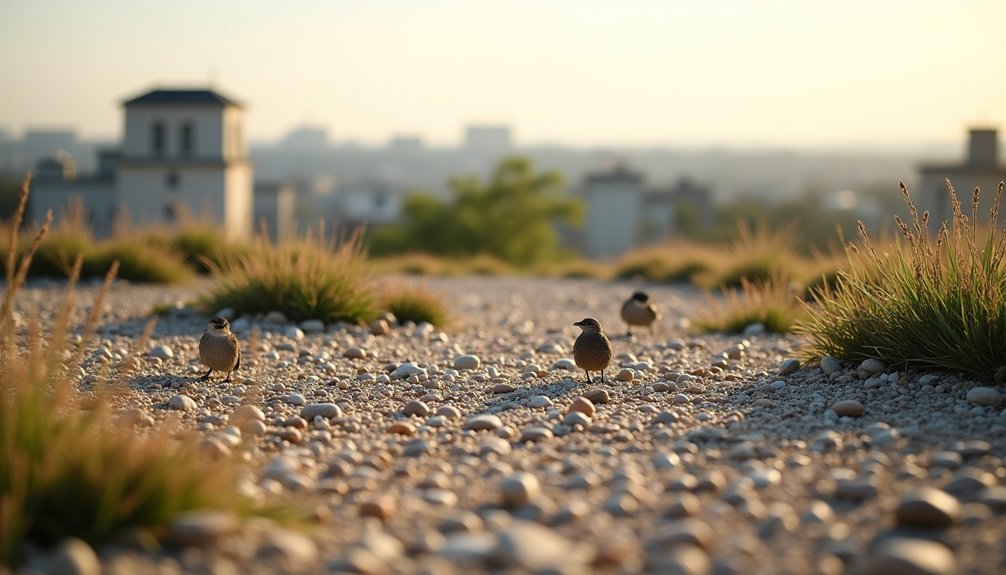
188,139
157,138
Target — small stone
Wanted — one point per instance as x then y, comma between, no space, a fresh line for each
203,527
583,405
295,333
379,327
537,401
830,365
848,408
450,412
484,423
182,402
534,548
564,363
312,326
275,317
381,508
624,375
326,410
401,428
73,557
162,352
905,556
503,388
293,549
416,407
683,531
295,399
597,396
985,396
789,366
249,413
355,352
928,507
536,433
407,370
576,418
873,365
518,489
467,362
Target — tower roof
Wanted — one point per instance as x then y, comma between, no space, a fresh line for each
198,97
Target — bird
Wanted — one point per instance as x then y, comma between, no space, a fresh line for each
219,349
639,310
591,350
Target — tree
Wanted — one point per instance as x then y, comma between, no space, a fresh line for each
511,216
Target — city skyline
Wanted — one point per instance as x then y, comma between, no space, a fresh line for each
732,74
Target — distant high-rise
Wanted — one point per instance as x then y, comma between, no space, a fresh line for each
488,140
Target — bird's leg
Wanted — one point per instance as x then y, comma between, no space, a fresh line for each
588,376
228,377
207,376
602,376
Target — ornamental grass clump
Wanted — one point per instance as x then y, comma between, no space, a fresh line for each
67,467
772,303
931,302
306,278
416,304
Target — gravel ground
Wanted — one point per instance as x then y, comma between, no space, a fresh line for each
473,450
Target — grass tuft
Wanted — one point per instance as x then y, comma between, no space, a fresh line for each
66,469
934,301
416,304
307,278
138,262
773,303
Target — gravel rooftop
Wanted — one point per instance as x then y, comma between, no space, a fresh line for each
479,449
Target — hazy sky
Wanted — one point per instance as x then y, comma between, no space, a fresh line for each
730,72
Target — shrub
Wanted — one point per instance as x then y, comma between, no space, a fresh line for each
138,262
307,278
935,303
760,254
416,304
772,303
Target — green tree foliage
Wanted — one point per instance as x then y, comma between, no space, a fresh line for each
511,216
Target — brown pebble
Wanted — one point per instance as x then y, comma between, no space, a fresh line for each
296,421
503,388
583,405
416,407
382,508
849,408
291,434
597,396
401,428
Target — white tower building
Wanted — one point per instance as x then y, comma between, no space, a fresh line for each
185,150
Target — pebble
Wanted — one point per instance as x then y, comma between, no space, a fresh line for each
73,557
985,396
312,326
355,352
533,547
597,396
379,327
416,407
204,527
564,363
162,352
906,556
518,490
401,428
467,362
583,405
872,365
624,375
789,366
407,370
182,402
848,408
326,410
275,317
830,365
928,507
537,401
502,388
536,433
484,423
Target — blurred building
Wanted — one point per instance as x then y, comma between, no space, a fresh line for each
370,203
623,214
488,140
306,138
183,153
275,205
980,168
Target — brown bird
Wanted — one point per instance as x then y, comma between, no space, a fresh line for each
219,349
639,310
591,350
